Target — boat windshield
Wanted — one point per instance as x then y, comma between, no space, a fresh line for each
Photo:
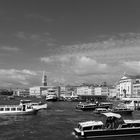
112,120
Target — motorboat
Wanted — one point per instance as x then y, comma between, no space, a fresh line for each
89,106
113,125
101,110
106,105
35,105
23,109
51,97
122,110
86,106
131,103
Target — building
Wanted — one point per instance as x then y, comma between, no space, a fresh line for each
101,90
112,92
129,86
21,92
44,89
85,90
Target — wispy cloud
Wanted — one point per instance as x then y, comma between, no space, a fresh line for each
9,48
17,77
40,38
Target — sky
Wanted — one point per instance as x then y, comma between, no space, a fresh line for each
74,41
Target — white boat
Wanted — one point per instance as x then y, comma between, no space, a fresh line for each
17,109
114,126
35,105
131,103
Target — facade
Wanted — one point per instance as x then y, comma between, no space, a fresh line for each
112,92
129,86
102,90
43,90
85,90
21,92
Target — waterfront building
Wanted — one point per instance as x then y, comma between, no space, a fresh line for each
112,92
21,92
85,90
101,90
129,86
44,90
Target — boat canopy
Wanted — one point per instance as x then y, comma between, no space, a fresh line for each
91,123
131,121
110,114
25,101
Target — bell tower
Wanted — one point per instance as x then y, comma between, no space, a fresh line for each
44,79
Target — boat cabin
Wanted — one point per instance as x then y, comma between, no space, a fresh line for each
101,110
90,125
14,108
130,124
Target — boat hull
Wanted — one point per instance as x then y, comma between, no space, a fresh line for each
107,133
32,112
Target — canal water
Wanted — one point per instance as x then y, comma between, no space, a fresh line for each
55,123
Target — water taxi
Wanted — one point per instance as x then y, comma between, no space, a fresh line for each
131,103
122,110
113,126
17,109
51,97
35,105
89,106
86,106
101,110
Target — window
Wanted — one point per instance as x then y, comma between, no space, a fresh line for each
19,109
98,127
13,109
87,128
1,109
7,109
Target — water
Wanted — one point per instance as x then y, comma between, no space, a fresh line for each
55,123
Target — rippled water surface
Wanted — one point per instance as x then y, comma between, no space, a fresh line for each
55,123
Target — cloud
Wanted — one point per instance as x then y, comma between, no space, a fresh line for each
78,64
39,38
134,65
9,48
85,65
16,77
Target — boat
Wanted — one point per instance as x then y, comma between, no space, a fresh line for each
86,106
113,125
101,110
51,97
35,105
131,103
122,110
22,109
89,106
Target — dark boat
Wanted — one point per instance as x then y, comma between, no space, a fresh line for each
88,106
101,110
113,126
122,111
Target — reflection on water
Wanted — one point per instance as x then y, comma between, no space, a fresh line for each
57,122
